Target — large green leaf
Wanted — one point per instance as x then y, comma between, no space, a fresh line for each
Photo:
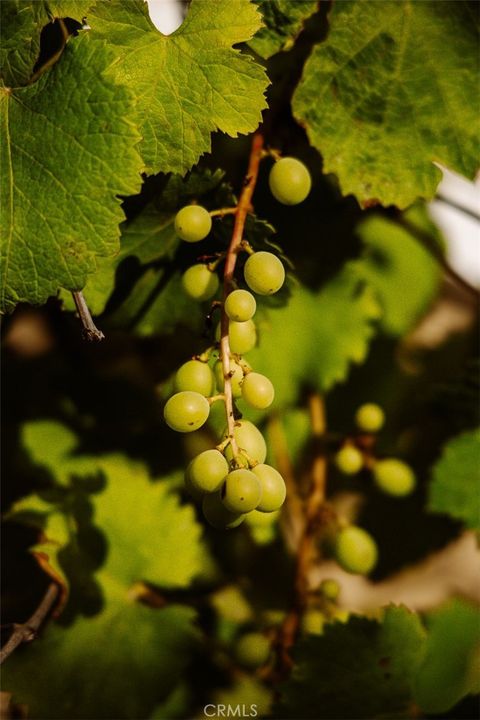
314,338
404,274
189,83
454,486
64,165
391,92
362,669
450,667
283,21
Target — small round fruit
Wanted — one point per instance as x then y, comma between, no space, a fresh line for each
330,589
313,622
252,650
370,417
242,336
186,411
208,471
240,305
241,492
356,550
217,515
193,223
257,391
195,375
349,460
257,519
250,440
199,282
236,377
264,273
273,488
394,477
289,181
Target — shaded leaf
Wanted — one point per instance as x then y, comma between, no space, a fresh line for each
283,21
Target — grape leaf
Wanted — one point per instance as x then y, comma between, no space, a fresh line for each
283,21
336,326
120,663
405,276
389,94
454,486
76,9
361,669
448,670
189,83
65,163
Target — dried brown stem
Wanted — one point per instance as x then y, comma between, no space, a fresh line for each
243,208
90,330
27,631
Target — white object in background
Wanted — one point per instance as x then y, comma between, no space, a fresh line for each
461,231
166,15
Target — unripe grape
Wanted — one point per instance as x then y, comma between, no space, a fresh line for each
217,515
313,622
257,519
242,491
340,615
370,417
208,471
186,411
257,391
195,375
242,336
330,589
273,488
236,376
250,440
264,273
252,650
289,181
356,550
193,223
394,477
349,460
199,282
240,305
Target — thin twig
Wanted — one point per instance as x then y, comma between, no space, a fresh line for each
243,208
431,245
27,631
90,330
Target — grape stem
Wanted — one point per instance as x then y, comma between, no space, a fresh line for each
221,212
90,330
241,211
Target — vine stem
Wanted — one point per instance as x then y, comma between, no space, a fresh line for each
243,208
314,517
90,330
27,631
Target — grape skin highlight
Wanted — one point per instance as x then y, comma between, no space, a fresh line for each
289,181
199,282
196,376
186,411
193,223
264,273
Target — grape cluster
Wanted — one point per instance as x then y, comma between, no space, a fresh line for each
232,479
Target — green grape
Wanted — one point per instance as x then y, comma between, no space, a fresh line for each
242,491
242,336
236,376
257,519
193,223
356,550
192,491
252,650
199,282
349,460
208,471
240,305
217,515
330,589
313,622
264,273
186,411
394,477
257,391
195,375
250,440
370,417
273,488
289,181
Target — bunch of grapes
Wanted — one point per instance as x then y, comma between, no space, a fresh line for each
233,479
